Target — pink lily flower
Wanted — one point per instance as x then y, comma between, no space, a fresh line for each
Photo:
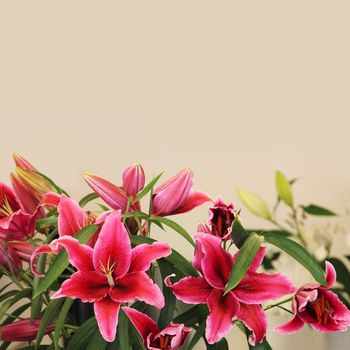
316,305
170,338
133,179
242,302
221,217
175,196
22,330
15,224
109,274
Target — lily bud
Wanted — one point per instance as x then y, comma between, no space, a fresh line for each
23,163
175,195
22,330
133,179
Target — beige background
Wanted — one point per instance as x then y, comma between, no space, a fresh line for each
233,89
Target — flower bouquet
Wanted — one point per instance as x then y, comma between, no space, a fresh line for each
59,258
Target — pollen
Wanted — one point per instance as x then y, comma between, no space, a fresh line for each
108,271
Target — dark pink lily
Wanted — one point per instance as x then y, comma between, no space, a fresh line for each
221,217
242,302
133,179
109,274
23,330
175,196
170,338
316,305
15,223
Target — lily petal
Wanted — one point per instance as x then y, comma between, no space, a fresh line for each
144,254
253,316
179,333
113,249
143,323
191,290
216,263
331,275
110,193
86,286
193,200
256,288
222,310
133,179
290,326
107,312
137,285
79,255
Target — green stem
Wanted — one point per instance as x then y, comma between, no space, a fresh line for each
278,304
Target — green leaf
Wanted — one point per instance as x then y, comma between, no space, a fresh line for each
48,316
97,342
197,336
16,312
175,226
147,188
299,253
37,302
284,189
61,261
238,233
221,345
60,321
82,336
244,259
313,209
88,198
123,330
255,204
167,313
24,293
46,222
8,294
53,184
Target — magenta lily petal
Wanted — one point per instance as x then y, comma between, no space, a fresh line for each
143,323
191,290
133,179
254,318
222,310
107,312
110,193
256,288
112,251
137,285
193,200
143,255
51,198
259,257
87,286
17,226
216,263
331,275
71,218
79,255
23,163
290,326
172,194
340,311
179,333
9,259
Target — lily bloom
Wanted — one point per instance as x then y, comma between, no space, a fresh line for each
22,330
170,338
316,305
133,179
175,196
109,274
215,265
15,224
221,217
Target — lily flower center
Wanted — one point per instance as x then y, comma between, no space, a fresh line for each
163,342
108,271
6,209
222,221
321,309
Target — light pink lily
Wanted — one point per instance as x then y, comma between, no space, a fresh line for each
221,217
175,196
15,224
23,330
109,274
316,305
242,302
170,338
